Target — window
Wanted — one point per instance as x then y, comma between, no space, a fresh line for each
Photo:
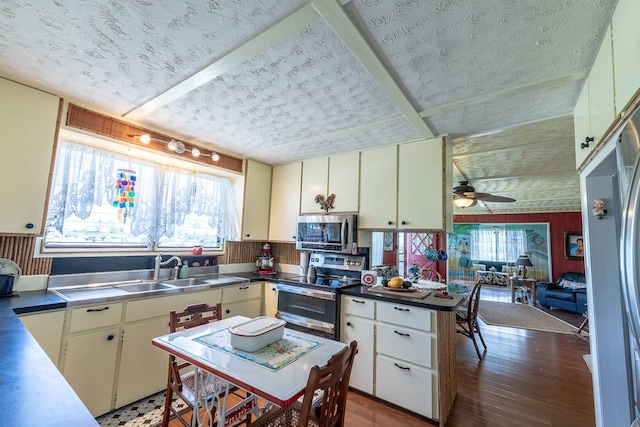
101,199
498,243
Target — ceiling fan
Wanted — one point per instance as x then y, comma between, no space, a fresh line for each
465,196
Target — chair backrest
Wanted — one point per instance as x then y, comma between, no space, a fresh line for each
333,380
473,302
194,315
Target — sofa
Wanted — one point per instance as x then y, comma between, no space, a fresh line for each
568,293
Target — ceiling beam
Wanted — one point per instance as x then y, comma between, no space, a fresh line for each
340,22
511,147
296,21
514,126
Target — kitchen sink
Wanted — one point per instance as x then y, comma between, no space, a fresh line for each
195,281
144,286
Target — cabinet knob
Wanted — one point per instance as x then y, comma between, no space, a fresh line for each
29,225
293,237
404,222
348,323
586,142
390,223
110,337
227,311
248,235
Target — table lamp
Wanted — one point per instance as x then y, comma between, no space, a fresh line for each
523,262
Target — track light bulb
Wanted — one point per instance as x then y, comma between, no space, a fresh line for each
145,138
215,156
195,152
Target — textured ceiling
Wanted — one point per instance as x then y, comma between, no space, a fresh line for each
279,81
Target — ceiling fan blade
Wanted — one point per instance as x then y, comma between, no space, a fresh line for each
485,197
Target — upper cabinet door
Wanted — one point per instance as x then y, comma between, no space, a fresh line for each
257,194
421,182
626,45
378,188
285,202
581,125
315,178
601,100
344,181
28,120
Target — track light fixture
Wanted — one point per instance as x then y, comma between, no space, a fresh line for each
176,146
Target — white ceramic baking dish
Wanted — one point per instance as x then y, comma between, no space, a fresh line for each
256,333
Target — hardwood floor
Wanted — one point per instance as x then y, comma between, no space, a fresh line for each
526,378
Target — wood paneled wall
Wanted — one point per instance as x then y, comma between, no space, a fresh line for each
19,249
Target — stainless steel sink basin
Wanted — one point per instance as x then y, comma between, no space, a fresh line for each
144,287
195,281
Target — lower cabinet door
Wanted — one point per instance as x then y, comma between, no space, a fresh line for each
407,385
362,331
250,308
90,367
143,367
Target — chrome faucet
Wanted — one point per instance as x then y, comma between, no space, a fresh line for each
159,262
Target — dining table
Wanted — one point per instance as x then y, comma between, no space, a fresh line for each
277,373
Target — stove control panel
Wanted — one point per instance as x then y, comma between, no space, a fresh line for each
337,261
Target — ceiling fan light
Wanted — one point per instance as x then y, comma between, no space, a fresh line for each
463,201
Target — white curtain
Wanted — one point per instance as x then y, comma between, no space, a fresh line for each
84,177
497,243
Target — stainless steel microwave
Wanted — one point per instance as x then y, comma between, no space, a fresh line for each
327,233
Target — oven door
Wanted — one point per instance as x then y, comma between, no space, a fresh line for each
313,310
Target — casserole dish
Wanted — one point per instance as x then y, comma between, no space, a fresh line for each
257,333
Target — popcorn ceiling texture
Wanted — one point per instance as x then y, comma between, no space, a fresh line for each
468,67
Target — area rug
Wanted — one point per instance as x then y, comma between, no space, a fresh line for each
521,316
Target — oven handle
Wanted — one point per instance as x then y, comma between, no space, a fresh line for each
314,293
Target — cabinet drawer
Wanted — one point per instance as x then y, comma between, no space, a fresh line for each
95,316
161,306
407,344
406,315
407,385
241,292
358,306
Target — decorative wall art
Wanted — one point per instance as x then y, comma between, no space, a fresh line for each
573,245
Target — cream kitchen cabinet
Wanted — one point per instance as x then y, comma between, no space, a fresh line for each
285,202
242,300
595,109
143,367
28,119
338,175
90,354
626,42
46,328
407,187
270,299
357,323
257,194
315,180
404,354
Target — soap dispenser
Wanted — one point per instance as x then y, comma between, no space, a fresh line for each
184,271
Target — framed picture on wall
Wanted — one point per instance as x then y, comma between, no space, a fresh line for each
387,243
573,245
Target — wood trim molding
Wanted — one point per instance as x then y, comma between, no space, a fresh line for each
90,121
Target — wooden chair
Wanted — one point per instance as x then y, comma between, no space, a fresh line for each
332,380
433,275
183,385
467,318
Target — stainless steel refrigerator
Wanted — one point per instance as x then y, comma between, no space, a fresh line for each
628,161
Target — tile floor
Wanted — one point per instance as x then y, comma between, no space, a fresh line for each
143,413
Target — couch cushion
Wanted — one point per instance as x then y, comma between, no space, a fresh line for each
568,284
562,295
573,277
